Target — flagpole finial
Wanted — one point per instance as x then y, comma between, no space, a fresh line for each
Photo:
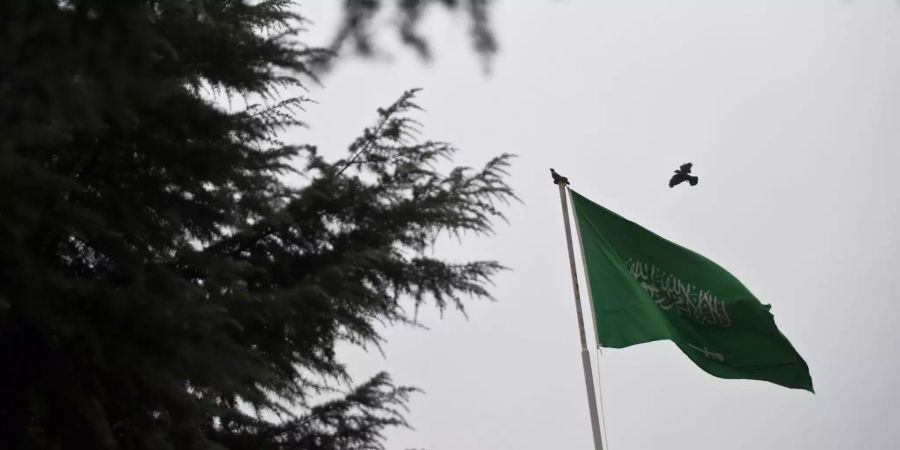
559,179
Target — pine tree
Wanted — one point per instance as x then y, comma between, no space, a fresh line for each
160,285
356,27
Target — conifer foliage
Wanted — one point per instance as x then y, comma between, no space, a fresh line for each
160,286
355,31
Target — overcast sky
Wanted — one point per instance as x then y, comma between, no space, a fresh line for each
789,112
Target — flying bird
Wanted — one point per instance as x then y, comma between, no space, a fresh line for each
557,178
682,175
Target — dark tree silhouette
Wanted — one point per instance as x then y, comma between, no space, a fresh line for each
160,286
355,33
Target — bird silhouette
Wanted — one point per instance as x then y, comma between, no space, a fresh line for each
682,175
558,179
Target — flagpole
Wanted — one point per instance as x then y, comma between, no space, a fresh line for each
562,182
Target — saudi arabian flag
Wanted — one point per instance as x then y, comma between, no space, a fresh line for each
645,288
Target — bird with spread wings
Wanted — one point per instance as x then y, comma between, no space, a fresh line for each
683,174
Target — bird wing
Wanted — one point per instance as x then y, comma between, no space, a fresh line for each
686,167
677,178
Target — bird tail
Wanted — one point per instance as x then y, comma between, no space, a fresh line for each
693,180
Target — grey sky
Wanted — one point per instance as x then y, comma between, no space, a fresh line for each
788,111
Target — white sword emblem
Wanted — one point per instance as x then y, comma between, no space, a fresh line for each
709,354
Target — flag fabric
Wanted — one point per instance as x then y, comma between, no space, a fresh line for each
644,288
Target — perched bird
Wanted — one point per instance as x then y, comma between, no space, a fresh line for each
682,175
557,178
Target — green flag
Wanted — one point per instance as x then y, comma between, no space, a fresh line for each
645,288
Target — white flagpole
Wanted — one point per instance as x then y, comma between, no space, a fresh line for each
562,182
